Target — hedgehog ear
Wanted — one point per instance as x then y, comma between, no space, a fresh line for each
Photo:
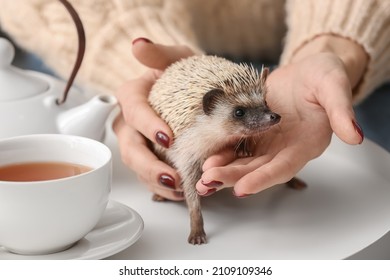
210,100
264,74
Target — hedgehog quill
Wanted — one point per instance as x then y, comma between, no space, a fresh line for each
209,102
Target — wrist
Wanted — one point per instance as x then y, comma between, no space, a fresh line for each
353,56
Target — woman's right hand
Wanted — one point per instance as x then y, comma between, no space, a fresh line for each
138,122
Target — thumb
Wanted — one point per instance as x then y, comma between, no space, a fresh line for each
337,102
158,56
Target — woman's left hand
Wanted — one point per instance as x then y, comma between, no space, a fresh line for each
314,98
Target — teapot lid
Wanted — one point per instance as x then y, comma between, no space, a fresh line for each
16,84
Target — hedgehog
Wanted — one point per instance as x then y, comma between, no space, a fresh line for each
209,102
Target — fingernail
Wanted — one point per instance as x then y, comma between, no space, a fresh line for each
162,139
208,192
141,39
358,130
240,196
167,181
213,184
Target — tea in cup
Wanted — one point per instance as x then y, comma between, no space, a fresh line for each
53,190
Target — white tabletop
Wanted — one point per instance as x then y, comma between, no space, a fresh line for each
344,209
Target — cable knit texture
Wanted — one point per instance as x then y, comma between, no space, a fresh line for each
250,29
45,28
366,22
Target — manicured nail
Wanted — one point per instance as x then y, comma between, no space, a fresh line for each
213,184
358,130
208,192
162,139
167,181
240,196
141,39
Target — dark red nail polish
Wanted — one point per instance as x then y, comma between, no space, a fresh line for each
358,130
162,139
240,196
142,39
209,192
213,184
167,181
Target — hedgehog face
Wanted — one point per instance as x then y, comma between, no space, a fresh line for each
248,121
239,116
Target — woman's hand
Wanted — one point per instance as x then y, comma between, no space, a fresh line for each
138,123
314,97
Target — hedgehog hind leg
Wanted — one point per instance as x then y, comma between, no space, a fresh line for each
189,163
197,234
190,177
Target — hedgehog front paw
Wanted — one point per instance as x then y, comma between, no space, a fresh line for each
197,237
244,153
243,149
158,198
296,184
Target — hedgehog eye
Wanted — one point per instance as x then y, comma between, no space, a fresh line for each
239,112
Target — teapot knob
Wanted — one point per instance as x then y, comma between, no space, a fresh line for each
7,53
17,84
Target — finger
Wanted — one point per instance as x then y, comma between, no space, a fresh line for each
137,112
227,176
222,158
167,193
158,56
160,177
279,170
137,156
140,159
336,98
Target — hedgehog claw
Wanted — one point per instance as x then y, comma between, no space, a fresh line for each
243,149
244,153
197,238
296,184
158,198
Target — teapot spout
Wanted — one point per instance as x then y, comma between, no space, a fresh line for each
89,119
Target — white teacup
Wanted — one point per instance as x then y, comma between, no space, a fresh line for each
47,216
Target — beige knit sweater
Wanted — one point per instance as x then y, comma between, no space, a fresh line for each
254,29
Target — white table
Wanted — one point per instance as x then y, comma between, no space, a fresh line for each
345,209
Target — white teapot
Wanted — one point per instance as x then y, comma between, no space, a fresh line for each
28,103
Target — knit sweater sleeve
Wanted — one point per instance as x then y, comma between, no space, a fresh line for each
45,28
364,21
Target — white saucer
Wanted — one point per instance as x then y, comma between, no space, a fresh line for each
119,228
